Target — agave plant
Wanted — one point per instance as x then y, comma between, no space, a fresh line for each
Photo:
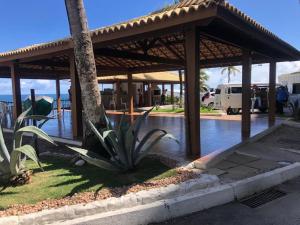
12,162
122,144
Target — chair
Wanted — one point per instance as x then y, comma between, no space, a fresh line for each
123,104
112,103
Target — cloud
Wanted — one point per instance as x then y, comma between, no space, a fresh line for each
40,86
5,86
260,73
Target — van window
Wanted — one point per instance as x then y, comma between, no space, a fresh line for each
218,91
296,88
236,90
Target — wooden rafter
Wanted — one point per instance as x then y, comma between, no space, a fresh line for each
168,46
135,56
208,48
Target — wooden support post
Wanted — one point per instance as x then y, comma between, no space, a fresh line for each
16,88
58,98
192,92
246,95
272,94
180,87
76,106
149,94
172,94
130,94
118,95
163,87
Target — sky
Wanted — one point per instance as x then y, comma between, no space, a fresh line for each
36,21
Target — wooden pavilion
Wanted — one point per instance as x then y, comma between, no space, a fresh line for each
145,89
188,36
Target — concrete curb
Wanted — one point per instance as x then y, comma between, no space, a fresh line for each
161,210
192,202
147,210
113,204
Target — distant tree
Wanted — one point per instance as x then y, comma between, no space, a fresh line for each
203,80
230,70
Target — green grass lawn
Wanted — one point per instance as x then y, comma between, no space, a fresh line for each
181,110
61,179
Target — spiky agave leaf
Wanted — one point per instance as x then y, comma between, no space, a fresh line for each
105,118
16,165
96,159
101,139
145,149
34,130
20,119
122,130
42,119
4,155
132,135
112,139
146,138
17,139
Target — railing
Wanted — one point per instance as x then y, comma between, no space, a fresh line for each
65,104
6,106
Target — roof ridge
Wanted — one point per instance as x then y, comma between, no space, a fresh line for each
182,8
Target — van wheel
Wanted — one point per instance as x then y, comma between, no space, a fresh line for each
211,105
229,111
291,108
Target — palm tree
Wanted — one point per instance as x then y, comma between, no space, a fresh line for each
85,61
230,70
203,79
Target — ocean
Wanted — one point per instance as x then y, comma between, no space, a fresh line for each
9,98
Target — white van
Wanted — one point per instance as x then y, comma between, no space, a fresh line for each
228,97
292,81
207,98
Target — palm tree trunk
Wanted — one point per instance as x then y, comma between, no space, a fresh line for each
85,60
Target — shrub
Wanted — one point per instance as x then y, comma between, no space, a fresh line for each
122,144
12,162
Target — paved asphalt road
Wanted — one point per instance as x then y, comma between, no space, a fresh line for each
282,211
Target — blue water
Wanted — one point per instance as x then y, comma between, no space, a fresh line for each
9,98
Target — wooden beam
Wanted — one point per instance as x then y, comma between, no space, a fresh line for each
16,88
272,93
192,92
48,62
76,104
130,95
246,94
114,53
58,98
26,73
